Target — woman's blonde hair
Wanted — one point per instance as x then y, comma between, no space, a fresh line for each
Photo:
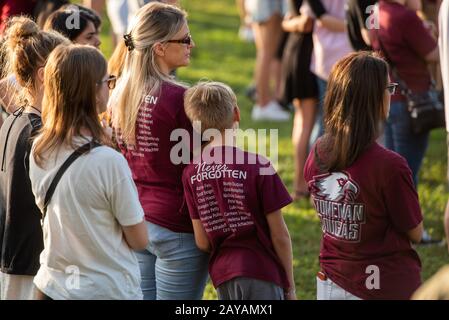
27,49
116,62
154,23
72,78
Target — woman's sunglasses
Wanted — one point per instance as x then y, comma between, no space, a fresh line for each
111,80
187,40
392,87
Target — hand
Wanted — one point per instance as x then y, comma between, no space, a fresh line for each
290,294
305,23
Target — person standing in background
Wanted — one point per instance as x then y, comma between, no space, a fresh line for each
358,15
266,17
330,44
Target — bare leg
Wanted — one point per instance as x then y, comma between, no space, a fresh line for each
304,120
267,37
446,223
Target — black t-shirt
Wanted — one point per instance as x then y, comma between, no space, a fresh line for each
356,16
21,239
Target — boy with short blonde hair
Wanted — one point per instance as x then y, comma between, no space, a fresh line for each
235,210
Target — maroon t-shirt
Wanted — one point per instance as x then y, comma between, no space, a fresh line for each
11,8
232,199
365,212
407,42
158,179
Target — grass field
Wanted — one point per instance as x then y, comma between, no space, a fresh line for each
220,55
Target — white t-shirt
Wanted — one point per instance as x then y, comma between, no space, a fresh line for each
444,53
85,255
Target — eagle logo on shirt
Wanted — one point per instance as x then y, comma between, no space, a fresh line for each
336,186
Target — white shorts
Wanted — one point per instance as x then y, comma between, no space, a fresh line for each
329,290
262,10
16,287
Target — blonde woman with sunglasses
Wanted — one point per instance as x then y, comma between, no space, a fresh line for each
149,107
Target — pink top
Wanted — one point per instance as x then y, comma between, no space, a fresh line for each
328,46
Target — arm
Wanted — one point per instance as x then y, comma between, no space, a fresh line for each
433,56
201,239
136,236
301,23
332,23
283,247
326,20
415,234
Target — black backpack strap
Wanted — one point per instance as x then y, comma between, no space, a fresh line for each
75,155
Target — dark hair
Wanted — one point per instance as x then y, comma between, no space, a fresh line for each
44,8
58,20
354,108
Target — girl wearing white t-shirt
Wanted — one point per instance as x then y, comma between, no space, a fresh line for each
94,219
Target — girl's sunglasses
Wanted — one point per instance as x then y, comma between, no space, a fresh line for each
392,87
187,40
111,80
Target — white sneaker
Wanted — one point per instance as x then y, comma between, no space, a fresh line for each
272,111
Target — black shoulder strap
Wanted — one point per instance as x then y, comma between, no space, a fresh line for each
75,155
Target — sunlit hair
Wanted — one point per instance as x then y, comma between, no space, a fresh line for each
211,103
154,22
26,50
116,62
354,109
71,80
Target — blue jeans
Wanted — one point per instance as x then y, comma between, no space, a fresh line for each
172,267
400,138
318,127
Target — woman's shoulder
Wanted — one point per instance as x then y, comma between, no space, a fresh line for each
386,159
106,153
168,87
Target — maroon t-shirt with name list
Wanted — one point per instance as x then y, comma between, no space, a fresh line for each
158,179
365,212
232,199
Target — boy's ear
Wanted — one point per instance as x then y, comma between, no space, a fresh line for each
236,114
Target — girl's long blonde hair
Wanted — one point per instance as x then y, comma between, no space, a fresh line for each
72,78
154,23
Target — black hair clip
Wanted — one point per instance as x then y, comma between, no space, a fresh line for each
128,41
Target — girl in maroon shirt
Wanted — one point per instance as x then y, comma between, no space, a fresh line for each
149,108
363,193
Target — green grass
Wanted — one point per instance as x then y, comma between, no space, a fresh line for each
220,55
